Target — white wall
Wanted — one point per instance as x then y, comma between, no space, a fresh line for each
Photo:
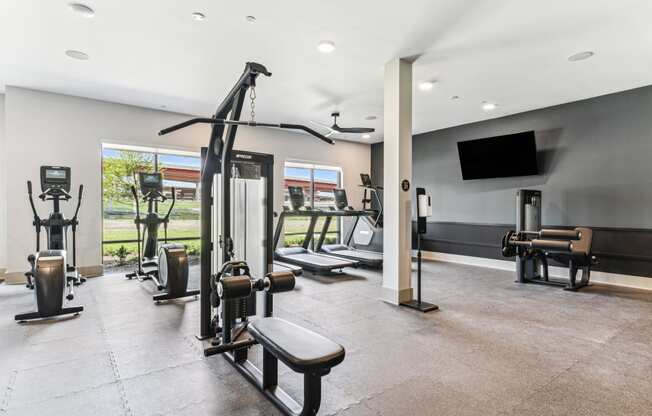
45,128
3,191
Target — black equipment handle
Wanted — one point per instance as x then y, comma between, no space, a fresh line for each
174,199
79,200
187,123
55,193
73,223
37,219
134,192
205,120
154,195
166,219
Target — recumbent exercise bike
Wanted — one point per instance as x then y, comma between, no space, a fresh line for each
50,275
168,270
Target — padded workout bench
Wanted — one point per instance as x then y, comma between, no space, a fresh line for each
302,350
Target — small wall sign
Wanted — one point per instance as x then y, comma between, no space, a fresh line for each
405,185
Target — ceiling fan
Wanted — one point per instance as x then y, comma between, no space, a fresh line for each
334,129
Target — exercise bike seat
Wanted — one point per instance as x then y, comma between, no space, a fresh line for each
300,349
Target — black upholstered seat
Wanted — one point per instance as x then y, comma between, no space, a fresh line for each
300,349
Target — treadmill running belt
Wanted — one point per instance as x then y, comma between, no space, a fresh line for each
369,258
312,261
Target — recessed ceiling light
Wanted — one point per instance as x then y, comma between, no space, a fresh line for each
82,9
77,55
455,97
250,19
581,56
370,118
487,106
326,46
366,136
426,85
198,16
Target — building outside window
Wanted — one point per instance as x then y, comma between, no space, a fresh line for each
120,167
318,183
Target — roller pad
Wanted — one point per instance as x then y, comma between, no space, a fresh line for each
280,282
234,287
553,245
564,234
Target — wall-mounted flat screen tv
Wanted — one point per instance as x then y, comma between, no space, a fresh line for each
499,157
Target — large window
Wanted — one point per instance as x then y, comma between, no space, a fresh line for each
120,166
318,183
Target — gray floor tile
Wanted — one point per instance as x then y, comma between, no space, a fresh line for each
105,399
495,347
54,380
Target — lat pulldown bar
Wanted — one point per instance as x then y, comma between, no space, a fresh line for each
205,120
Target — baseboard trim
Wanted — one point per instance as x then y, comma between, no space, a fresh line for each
18,278
91,271
14,278
612,279
396,297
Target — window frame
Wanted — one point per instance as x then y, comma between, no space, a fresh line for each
155,152
312,167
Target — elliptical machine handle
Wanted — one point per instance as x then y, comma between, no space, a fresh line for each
135,194
174,199
79,200
37,219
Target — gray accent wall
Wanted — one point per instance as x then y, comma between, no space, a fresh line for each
595,159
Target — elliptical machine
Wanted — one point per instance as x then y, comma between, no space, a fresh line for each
367,231
168,270
50,276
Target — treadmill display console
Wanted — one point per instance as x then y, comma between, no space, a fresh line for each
341,202
297,199
366,180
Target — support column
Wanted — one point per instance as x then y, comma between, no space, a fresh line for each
397,168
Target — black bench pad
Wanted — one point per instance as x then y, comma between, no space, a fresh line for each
300,349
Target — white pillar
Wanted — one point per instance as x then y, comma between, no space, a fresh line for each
397,154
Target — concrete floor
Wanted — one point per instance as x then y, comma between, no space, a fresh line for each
495,348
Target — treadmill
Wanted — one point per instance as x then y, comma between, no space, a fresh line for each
371,259
303,256
280,266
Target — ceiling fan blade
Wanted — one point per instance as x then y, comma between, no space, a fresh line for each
325,126
354,130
